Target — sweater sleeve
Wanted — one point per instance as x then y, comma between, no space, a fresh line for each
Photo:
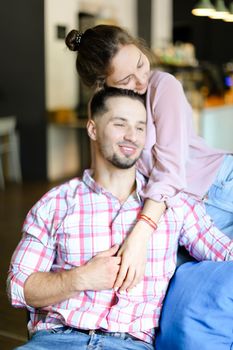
171,115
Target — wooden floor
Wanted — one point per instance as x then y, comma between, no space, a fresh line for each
15,201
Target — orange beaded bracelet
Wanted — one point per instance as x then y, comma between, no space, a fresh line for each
148,220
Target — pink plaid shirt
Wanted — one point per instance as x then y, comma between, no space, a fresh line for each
75,221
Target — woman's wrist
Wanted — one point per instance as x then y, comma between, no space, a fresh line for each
142,229
148,220
153,209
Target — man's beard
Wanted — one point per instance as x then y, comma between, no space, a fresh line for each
117,161
122,163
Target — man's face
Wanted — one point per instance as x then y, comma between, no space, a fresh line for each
121,131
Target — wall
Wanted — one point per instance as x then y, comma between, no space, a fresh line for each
161,23
61,82
216,125
125,12
22,84
63,144
61,76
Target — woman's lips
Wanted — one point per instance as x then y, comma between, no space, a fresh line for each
142,89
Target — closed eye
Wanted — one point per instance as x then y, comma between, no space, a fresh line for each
126,82
140,64
119,124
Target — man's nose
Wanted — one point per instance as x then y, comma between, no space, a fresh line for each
130,134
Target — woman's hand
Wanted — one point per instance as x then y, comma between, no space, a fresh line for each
133,251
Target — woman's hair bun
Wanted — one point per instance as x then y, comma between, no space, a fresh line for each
73,39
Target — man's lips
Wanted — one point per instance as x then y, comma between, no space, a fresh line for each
128,150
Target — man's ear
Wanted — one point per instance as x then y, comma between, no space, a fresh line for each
91,129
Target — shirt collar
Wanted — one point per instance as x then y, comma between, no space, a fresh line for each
95,187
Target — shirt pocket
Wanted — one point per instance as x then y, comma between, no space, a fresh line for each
74,246
78,241
68,252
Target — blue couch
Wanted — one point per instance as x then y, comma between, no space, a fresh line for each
198,308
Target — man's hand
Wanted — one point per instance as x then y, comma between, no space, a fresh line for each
48,288
101,271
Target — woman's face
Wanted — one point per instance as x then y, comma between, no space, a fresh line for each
130,69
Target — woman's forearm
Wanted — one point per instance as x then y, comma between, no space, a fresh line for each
153,210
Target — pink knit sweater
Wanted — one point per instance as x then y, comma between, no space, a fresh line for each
174,158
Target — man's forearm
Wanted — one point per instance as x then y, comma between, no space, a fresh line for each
42,289
47,288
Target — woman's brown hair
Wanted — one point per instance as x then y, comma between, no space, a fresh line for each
96,47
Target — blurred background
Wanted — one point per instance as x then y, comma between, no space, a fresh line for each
43,105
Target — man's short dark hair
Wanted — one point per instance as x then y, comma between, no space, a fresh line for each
98,101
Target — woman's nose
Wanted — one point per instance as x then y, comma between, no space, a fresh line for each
140,80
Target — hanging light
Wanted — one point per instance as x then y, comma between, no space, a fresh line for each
203,8
229,16
221,10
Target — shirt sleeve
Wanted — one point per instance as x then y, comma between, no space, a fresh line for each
30,256
36,250
172,118
201,238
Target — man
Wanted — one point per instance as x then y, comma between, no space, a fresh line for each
65,265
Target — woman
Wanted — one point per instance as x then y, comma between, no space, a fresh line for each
174,159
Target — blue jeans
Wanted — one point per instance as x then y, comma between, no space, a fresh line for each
219,202
66,338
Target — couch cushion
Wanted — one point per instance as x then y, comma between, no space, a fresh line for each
198,309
